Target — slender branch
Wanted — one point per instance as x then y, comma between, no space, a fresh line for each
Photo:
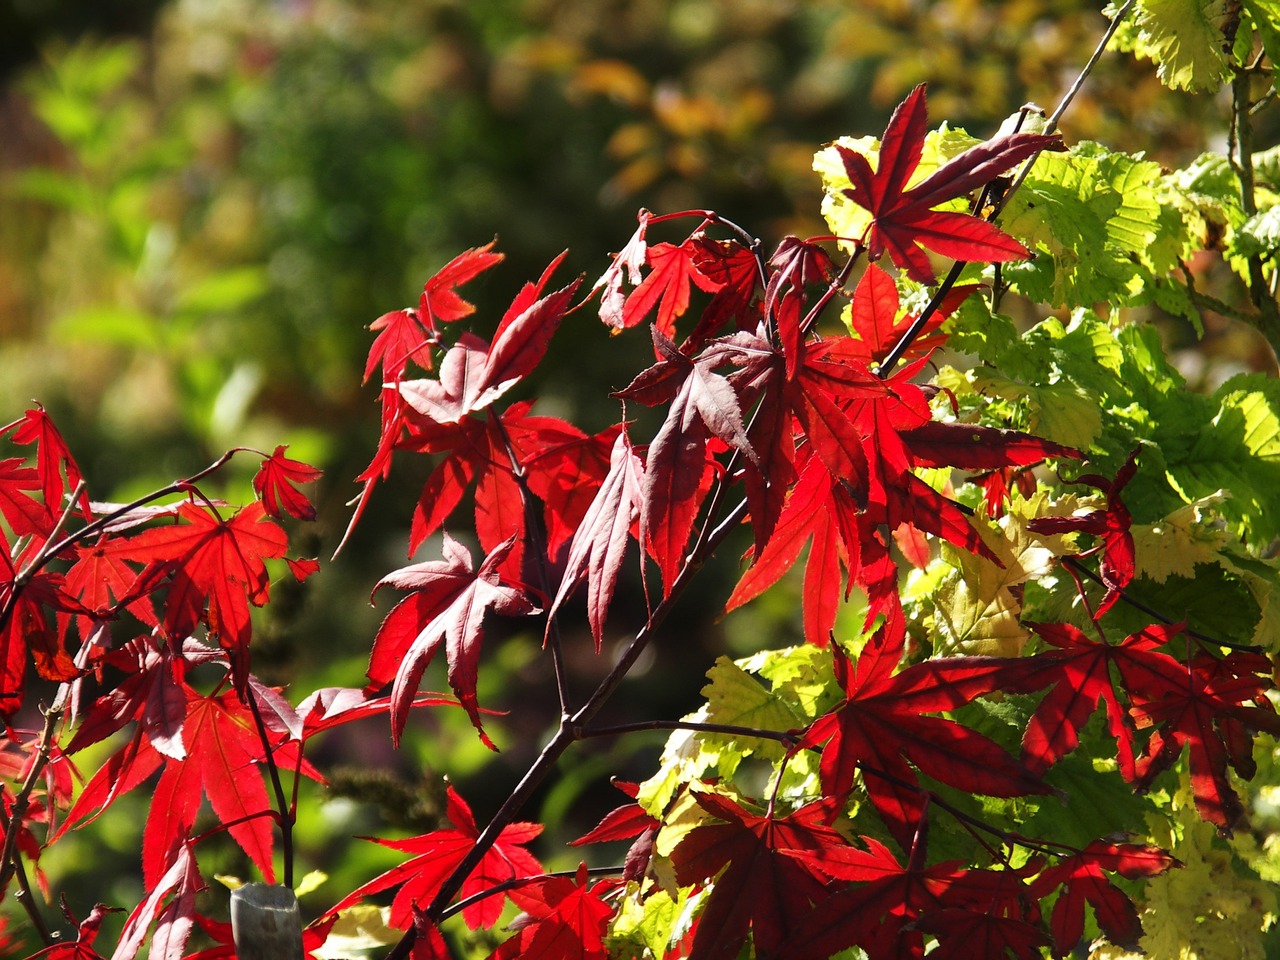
21,802
1076,566
26,896
788,737
286,810
1267,321
1051,122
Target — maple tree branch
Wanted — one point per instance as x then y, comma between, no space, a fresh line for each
1075,565
918,324
834,287
285,818
1051,121
569,731
26,897
1240,154
967,819
788,737
9,862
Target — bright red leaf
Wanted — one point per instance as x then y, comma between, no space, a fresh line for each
438,853
563,919
903,220
1083,879
274,483
446,609
881,727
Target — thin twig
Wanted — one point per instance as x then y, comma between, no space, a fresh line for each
1075,565
286,811
788,737
1051,122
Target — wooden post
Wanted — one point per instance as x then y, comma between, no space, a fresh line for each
265,922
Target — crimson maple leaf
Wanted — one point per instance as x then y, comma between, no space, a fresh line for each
1110,526
170,922
879,912
1079,671
274,485
874,316
881,726
438,853
766,885
600,543
564,919
1083,879
903,220
53,456
25,514
623,823
215,752
673,271
212,563
1209,709
409,334
446,608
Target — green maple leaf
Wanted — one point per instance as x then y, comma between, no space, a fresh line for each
1238,450
1185,39
1085,213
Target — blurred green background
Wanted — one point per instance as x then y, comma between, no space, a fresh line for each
203,203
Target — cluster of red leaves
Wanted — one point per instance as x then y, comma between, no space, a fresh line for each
826,437
124,601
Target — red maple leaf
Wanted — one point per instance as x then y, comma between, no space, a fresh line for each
623,823
880,910
25,514
766,886
599,545
439,853
564,919
410,334
1079,671
881,726
874,316
214,752
446,609
53,456
1209,709
1083,879
274,485
212,563
672,273
1110,526
903,220
168,910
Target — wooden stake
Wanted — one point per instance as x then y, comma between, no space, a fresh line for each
265,922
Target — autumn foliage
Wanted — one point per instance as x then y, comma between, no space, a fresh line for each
984,645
